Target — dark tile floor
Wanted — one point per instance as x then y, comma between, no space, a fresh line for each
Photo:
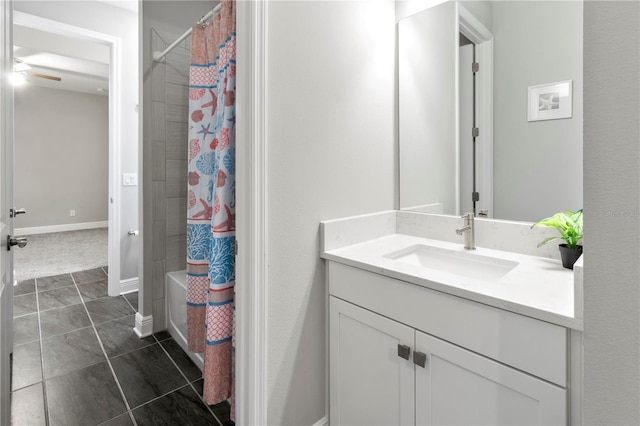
77,361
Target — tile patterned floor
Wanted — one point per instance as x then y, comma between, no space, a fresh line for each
77,361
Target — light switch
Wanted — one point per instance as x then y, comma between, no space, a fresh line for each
129,179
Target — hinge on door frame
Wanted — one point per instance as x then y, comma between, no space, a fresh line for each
475,132
475,196
475,67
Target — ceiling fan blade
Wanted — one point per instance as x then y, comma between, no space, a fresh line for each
19,65
48,77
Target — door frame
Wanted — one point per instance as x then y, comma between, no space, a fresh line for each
115,141
473,29
251,213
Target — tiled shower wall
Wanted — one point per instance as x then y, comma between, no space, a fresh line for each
169,149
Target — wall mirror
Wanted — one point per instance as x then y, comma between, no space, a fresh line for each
512,70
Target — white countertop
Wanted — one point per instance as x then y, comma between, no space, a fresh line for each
537,287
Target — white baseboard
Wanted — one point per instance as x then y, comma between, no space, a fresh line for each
128,286
144,325
60,228
322,422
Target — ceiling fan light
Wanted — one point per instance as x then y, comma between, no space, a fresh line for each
18,79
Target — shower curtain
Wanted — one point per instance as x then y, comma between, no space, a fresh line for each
211,200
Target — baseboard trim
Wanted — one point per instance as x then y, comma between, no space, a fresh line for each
144,325
322,422
60,228
128,286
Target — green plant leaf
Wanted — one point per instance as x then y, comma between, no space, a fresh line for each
548,240
568,224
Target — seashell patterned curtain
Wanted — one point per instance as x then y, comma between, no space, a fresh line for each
211,200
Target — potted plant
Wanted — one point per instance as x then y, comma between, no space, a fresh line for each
569,224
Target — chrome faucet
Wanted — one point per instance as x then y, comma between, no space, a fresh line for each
468,231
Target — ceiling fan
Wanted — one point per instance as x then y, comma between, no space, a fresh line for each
20,67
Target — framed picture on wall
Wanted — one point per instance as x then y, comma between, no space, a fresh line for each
550,101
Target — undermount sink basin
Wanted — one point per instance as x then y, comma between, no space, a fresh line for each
463,263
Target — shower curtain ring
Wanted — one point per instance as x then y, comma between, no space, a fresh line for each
203,22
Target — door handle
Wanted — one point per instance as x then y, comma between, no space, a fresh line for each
404,351
15,212
420,359
17,241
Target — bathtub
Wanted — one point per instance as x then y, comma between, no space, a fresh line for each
176,291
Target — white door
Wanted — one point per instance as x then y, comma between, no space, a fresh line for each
6,200
370,382
459,387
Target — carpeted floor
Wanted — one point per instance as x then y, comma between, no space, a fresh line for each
61,253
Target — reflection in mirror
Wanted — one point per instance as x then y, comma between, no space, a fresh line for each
526,161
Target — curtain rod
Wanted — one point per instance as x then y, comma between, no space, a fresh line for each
158,56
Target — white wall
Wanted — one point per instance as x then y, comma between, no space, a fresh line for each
428,129
123,24
612,211
331,153
61,156
405,8
535,42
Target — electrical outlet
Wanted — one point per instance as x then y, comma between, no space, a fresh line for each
72,213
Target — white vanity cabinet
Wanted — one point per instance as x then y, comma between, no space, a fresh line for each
401,354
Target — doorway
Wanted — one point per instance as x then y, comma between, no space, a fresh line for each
61,166
110,87
475,92
122,137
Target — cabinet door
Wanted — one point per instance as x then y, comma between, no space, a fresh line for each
459,387
370,384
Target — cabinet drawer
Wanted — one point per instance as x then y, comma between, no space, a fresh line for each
528,344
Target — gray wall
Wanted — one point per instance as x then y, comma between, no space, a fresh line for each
331,153
166,104
612,209
536,42
61,156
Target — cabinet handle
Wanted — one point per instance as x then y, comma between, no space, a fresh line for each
420,359
404,351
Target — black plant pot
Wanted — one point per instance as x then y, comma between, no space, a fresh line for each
569,255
